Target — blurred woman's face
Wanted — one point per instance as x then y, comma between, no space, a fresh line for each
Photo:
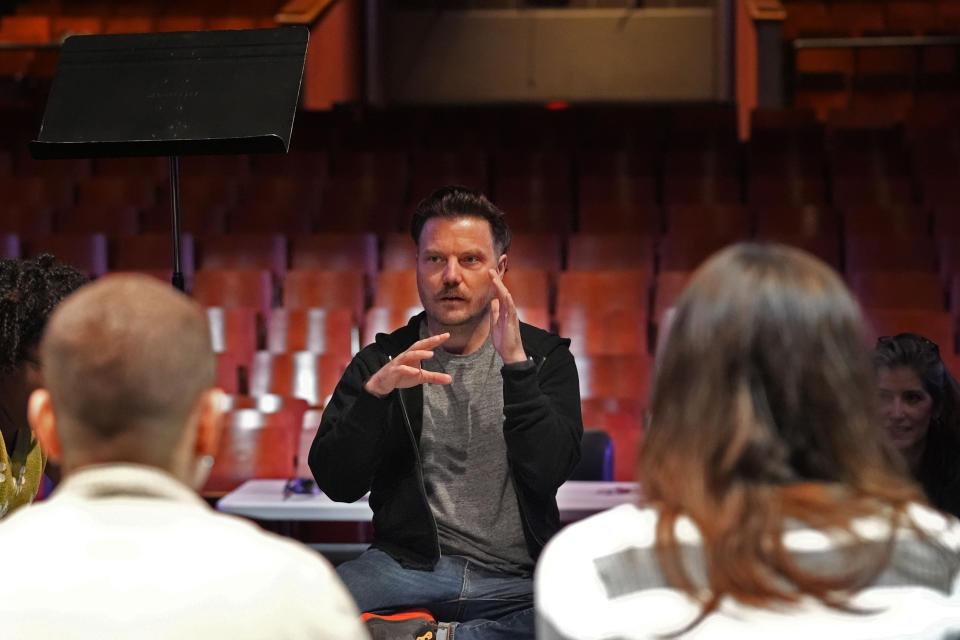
906,407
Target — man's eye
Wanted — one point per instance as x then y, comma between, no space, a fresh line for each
471,259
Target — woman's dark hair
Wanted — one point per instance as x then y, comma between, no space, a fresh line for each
939,470
454,202
762,414
29,292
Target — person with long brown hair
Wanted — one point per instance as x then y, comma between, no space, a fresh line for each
774,505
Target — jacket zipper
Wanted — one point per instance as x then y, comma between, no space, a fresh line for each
423,491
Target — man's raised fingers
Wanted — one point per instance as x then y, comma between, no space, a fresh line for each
413,355
429,343
435,377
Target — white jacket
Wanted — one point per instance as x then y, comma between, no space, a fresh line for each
125,551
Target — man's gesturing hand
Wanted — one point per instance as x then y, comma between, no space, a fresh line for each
504,323
404,371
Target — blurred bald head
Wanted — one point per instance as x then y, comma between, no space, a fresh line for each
126,360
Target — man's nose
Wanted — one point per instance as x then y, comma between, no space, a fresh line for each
451,272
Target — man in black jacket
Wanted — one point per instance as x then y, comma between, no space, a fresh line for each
461,425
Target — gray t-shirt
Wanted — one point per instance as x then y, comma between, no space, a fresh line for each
464,460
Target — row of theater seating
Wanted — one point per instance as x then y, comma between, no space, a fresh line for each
126,206
275,427
881,245
616,330
810,18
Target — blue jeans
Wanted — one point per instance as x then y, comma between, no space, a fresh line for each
483,604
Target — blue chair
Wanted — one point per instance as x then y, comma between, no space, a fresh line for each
596,457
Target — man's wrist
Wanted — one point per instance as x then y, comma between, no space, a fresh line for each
376,393
519,365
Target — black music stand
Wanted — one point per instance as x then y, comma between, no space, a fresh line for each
173,94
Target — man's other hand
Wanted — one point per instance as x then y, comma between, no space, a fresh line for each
405,370
504,323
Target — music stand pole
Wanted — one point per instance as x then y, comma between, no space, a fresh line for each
175,221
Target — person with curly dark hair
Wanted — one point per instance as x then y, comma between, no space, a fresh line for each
29,292
920,410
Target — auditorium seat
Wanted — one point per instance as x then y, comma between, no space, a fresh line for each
234,330
611,204
683,252
244,251
234,167
178,22
626,433
254,445
310,165
281,217
205,220
156,169
935,325
946,221
889,251
113,220
327,289
805,19
72,171
789,220
379,165
433,169
536,316
385,320
300,374
310,426
356,205
534,204
86,251
38,191
913,17
127,24
152,252
609,252
113,191
858,18
823,78
9,245
603,290
540,250
316,330
234,288
701,189
948,254
228,373
335,252
291,190
792,189
528,287
595,333
885,191
26,220
396,290
825,246
21,29
899,290
666,291
709,220
615,376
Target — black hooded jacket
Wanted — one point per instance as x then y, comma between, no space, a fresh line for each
366,443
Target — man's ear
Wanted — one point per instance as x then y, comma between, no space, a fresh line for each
44,423
209,423
502,265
